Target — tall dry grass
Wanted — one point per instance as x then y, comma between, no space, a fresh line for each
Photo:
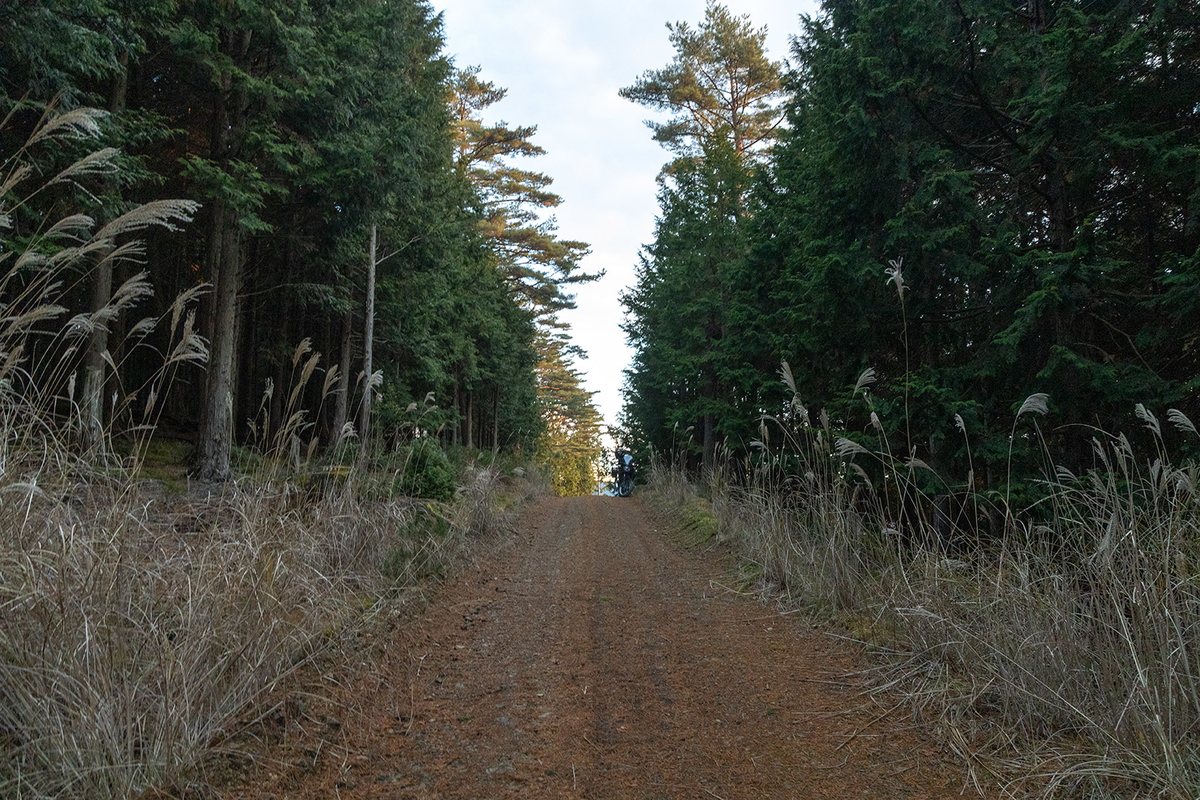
1061,653
138,622
1067,650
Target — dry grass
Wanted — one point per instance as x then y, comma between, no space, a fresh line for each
137,626
1065,655
690,515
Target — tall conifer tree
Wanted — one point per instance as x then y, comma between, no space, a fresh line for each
691,368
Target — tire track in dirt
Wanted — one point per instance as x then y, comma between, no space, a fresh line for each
595,659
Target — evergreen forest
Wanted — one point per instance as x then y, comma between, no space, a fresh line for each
359,254
932,212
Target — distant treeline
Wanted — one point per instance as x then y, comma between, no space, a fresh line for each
978,201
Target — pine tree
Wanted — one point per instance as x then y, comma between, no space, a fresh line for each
696,365
570,447
537,264
720,86
301,128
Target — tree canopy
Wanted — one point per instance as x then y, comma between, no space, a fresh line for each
720,85
1024,174
570,448
353,204
537,264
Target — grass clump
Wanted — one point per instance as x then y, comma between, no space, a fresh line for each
692,519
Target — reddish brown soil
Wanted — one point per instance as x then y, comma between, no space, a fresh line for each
595,658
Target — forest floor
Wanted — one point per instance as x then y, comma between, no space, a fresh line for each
591,656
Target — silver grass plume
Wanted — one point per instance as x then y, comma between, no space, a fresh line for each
13,180
14,325
182,301
100,162
1148,418
1181,421
75,226
331,376
848,447
30,261
895,273
131,252
785,372
11,360
161,213
192,346
347,433
862,473
126,296
802,412
309,367
129,293
80,325
1034,404
864,380
78,123
302,349
143,328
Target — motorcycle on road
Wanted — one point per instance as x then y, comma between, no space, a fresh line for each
623,474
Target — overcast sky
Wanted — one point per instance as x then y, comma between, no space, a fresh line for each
563,62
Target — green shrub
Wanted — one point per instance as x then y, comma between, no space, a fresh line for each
427,472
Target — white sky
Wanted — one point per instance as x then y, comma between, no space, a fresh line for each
563,62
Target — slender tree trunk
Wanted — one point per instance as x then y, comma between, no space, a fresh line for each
219,152
243,364
95,369
216,233
496,420
342,399
1036,10
216,432
457,423
470,420
364,431
209,409
216,436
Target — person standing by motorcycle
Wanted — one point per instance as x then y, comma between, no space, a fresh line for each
623,473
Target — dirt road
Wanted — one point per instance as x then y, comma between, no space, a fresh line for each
594,658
